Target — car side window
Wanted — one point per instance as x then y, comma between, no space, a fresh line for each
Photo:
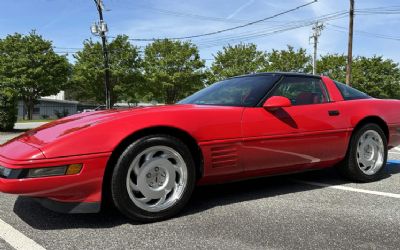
302,90
244,91
349,93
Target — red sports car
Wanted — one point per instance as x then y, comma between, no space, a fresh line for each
147,161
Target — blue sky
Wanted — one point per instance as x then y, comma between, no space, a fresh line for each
67,22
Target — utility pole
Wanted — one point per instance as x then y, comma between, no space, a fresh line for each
350,44
316,33
100,29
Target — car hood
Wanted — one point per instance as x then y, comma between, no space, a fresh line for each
62,128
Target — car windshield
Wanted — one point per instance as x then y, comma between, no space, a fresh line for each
240,91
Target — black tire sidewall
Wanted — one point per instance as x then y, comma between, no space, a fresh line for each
119,191
352,170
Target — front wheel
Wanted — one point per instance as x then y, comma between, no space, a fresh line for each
153,179
367,154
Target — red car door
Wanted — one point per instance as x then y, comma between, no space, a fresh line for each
309,133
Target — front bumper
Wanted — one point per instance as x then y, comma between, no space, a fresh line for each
85,187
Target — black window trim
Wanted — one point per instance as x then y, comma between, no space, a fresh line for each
283,76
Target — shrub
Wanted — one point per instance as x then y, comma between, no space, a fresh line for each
62,114
8,110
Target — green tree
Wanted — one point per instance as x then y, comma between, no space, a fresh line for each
29,65
334,66
376,76
173,69
125,67
289,60
237,60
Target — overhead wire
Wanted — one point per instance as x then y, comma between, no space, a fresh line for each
228,29
205,42
269,31
361,32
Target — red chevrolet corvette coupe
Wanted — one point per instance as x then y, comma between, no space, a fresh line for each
147,161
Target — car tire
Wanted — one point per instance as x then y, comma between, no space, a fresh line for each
366,156
153,178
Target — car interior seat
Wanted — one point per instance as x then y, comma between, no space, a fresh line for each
307,98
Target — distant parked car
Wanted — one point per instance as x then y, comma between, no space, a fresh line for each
103,107
100,107
147,160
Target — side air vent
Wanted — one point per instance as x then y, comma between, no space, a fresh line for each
224,156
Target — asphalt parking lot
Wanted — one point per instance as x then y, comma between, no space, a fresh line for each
310,210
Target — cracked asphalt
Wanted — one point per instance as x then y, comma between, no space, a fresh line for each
267,213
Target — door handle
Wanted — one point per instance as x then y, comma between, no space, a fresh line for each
333,112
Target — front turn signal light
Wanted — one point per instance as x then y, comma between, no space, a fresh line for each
74,169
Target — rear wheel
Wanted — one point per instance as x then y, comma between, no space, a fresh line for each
153,179
367,154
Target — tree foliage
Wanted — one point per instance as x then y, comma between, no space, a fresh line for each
238,60
29,66
289,60
125,68
8,108
375,76
333,65
173,69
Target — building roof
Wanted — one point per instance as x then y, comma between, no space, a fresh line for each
57,101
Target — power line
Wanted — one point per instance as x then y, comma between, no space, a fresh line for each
211,42
229,29
375,10
248,35
361,32
196,16
379,10
270,31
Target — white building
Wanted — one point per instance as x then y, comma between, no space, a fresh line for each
50,107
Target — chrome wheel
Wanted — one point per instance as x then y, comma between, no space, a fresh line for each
370,152
156,178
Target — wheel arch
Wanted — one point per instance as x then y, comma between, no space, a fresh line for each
374,119
186,138
347,166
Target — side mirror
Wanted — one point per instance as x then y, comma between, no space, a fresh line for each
275,102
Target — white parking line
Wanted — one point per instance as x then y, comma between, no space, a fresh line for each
16,239
358,190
